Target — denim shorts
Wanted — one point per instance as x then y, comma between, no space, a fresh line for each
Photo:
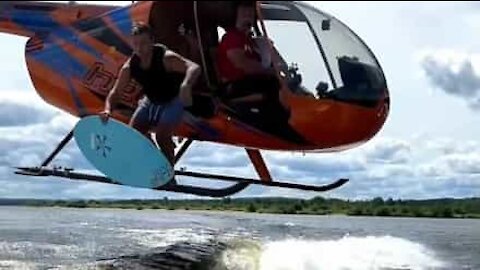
159,115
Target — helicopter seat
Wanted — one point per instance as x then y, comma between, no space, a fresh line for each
362,83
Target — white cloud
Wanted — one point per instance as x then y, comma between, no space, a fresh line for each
34,133
383,167
22,109
446,146
388,151
451,158
317,164
463,163
12,114
216,157
397,165
29,144
455,73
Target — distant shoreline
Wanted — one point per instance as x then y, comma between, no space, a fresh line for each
436,208
206,212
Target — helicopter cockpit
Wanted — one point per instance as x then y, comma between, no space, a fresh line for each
322,57
318,56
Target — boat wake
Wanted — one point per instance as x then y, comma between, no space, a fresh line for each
357,253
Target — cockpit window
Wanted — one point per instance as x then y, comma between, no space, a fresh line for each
300,57
339,43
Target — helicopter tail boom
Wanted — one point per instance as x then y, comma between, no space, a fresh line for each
30,18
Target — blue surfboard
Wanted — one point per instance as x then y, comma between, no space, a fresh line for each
122,153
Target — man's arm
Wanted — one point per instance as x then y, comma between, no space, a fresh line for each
175,63
120,83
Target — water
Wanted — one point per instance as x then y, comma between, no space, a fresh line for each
41,238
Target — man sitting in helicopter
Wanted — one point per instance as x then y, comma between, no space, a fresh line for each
251,88
239,62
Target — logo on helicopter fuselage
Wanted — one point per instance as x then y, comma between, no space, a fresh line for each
100,81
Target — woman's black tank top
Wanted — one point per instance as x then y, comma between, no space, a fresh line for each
158,85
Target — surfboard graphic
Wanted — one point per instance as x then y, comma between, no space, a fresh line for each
122,153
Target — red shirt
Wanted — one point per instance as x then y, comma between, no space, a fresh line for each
234,39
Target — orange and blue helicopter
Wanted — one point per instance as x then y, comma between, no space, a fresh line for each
334,87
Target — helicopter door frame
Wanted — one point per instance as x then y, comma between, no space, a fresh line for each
201,45
322,51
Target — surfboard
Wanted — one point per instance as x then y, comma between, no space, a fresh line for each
122,153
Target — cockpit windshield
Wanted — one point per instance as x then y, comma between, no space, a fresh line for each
323,57
337,41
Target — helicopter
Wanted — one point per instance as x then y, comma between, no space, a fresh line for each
331,82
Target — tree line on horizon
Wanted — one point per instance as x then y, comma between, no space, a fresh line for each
439,208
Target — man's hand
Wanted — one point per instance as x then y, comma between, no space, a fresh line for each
105,115
186,95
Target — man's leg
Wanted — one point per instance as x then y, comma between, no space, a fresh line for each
166,144
142,128
169,119
141,121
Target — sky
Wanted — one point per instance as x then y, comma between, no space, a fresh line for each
428,148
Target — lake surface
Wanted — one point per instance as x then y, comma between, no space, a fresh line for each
52,238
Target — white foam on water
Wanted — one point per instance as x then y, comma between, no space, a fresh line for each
159,238
357,253
38,250
17,265
165,237
241,255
